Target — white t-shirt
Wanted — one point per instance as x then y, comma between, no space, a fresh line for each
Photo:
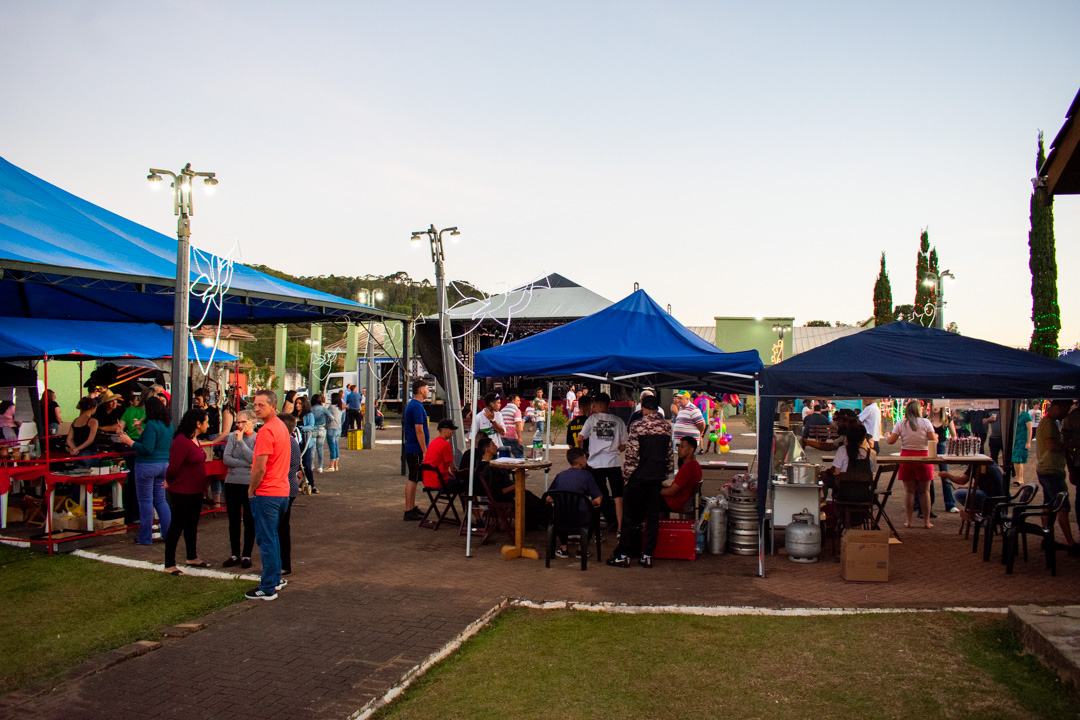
571,404
840,461
482,424
605,433
914,439
870,417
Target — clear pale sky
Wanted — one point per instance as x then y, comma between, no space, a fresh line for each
733,158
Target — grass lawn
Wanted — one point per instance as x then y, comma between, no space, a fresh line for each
56,612
564,664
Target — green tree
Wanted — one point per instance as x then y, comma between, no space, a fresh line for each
924,295
818,323
1045,313
883,307
904,312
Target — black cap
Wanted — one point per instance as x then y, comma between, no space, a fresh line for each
650,402
447,423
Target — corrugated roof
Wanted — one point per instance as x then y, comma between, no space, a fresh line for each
564,301
808,338
705,332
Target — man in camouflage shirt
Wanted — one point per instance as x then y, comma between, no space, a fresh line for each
647,463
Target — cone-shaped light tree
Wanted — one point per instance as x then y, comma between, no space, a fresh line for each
883,307
1045,313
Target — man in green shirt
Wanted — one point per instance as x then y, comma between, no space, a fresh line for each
1050,467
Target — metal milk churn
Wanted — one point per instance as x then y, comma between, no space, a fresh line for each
802,537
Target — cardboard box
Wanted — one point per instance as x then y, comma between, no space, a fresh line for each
864,556
67,522
102,525
14,514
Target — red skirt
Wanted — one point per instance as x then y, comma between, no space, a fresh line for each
911,472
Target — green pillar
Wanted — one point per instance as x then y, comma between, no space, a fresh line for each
316,349
281,337
351,334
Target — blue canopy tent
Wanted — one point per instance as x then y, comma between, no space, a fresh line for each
902,359
31,339
64,257
633,342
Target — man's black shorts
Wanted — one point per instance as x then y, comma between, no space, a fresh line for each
413,462
613,476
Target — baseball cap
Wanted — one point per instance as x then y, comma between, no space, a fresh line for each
447,423
682,393
649,402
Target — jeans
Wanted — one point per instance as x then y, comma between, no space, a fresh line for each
641,503
540,425
285,537
353,419
317,438
268,512
238,508
150,491
306,461
514,446
186,510
995,447
333,436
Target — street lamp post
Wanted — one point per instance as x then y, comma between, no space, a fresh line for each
453,400
937,281
370,297
183,208
778,349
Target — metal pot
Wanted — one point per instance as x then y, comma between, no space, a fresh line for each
802,473
802,538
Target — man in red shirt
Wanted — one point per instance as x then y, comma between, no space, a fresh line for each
269,492
440,455
687,479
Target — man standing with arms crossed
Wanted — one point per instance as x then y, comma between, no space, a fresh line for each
268,492
415,428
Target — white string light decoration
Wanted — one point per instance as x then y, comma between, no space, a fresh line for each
928,313
499,308
216,273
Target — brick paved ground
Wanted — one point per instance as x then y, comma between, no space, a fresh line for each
371,596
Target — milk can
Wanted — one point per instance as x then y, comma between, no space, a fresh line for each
717,530
802,537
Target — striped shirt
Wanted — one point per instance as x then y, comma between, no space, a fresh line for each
511,416
686,423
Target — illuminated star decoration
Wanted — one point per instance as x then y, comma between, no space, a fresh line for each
216,273
928,313
499,308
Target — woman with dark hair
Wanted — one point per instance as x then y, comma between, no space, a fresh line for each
185,481
915,434
305,422
151,462
50,409
333,429
288,405
83,431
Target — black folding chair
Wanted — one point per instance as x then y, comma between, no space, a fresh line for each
566,516
853,501
442,502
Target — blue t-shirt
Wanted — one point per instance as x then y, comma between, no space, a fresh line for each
352,400
415,414
577,480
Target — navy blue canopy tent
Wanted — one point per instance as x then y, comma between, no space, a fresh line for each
902,359
633,342
31,339
64,257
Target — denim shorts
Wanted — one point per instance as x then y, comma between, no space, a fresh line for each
1052,485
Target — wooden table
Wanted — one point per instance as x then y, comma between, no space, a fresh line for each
519,466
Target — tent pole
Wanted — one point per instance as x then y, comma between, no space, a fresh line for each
768,476
547,433
472,474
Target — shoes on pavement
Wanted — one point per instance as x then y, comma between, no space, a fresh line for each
415,514
257,594
645,561
954,509
281,584
578,554
245,563
620,561
320,470
233,560
285,573
560,553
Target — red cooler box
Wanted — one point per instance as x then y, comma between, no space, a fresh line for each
675,540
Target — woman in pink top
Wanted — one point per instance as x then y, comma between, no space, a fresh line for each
914,433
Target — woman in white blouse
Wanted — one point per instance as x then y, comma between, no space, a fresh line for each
914,433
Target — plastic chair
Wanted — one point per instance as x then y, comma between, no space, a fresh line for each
853,496
1001,511
442,502
500,513
566,516
1018,524
983,520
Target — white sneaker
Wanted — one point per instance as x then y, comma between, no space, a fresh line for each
954,509
281,584
320,470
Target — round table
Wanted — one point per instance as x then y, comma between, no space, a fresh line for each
519,466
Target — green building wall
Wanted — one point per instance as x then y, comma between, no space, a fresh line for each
735,334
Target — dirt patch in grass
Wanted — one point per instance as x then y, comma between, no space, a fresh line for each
598,665
58,611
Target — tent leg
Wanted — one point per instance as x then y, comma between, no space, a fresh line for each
472,473
767,475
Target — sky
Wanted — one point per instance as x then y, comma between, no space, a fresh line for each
734,159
